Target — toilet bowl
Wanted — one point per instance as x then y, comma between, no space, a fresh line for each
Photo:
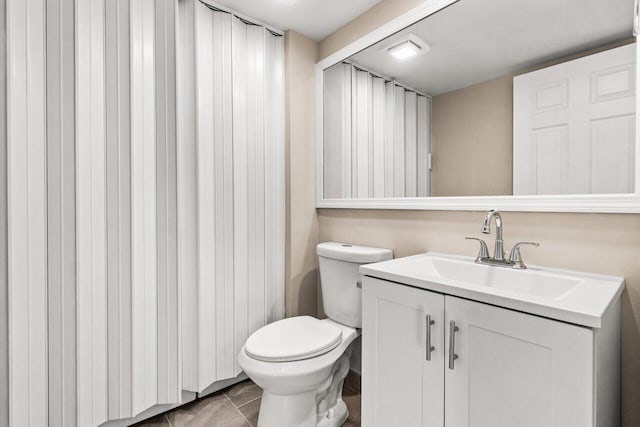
301,362
293,390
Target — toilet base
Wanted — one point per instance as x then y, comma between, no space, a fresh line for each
336,416
322,407
299,410
288,410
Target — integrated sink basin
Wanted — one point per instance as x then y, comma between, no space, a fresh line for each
570,296
532,282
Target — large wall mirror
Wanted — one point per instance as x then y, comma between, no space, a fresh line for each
517,104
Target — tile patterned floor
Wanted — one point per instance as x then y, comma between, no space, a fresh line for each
238,406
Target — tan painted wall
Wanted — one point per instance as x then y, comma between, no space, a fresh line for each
599,243
302,224
471,139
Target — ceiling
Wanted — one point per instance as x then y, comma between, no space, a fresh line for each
315,19
480,40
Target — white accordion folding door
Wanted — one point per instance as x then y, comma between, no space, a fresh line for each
145,204
377,136
232,254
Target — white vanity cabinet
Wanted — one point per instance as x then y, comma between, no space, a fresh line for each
401,387
500,367
515,369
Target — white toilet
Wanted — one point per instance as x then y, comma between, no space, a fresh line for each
301,362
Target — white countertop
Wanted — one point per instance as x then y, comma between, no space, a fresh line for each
585,301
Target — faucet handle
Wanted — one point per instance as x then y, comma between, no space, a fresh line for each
484,251
516,257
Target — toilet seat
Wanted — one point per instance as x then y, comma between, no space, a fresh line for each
295,338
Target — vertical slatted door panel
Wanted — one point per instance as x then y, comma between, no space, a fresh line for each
4,284
143,205
187,192
399,142
389,134
240,184
225,360
169,369
251,92
90,212
255,175
337,128
279,167
378,136
118,208
347,132
410,154
370,148
215,206
27,212
361,148
356,129
423,137
274,177
238,155
61,213
205,96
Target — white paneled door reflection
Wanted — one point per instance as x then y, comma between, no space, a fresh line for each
145,203
574,126
376,136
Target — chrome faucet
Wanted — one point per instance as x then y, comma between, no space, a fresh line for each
498,252
515,257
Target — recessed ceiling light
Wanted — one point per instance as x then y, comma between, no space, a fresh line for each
404,50
407,47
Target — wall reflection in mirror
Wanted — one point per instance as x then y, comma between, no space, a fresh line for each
487,97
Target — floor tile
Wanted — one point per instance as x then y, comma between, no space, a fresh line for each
250,411
157,421
237,406
213,411
243,392
353,401
353,381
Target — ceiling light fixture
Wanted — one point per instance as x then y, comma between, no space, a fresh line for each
404,50
408,47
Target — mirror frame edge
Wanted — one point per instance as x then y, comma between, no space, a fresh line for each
586,203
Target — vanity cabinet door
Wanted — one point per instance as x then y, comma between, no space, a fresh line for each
400,386
515,369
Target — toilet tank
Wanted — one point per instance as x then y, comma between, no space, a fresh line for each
341,281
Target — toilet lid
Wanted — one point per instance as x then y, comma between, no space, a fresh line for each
295,338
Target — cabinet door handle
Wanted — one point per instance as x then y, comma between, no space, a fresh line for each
429,347
452,343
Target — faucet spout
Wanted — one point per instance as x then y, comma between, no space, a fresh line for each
498,260
486,229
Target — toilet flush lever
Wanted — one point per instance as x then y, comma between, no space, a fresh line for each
428,347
